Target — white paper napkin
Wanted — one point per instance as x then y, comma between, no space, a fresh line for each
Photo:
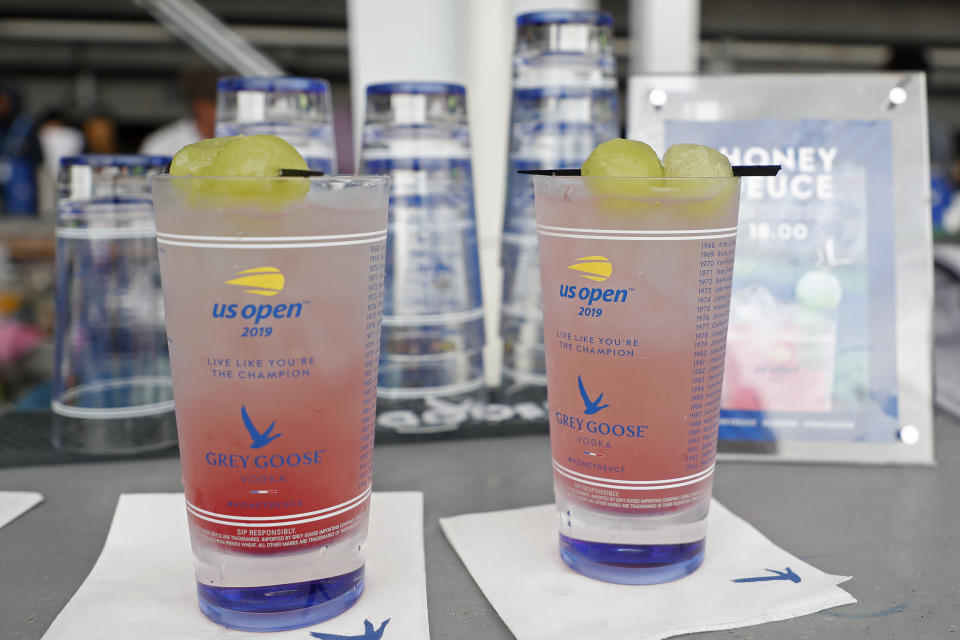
142,586
13,504
513,557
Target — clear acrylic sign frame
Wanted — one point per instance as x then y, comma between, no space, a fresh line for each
839,250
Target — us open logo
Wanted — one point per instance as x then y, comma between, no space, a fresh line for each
597,268
261,281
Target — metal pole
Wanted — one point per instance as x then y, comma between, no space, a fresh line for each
664,36
211,38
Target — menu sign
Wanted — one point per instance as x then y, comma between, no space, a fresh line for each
815,366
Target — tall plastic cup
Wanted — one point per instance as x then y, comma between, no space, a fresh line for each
273,293
564,104
112,392
431,347
299,110
636,276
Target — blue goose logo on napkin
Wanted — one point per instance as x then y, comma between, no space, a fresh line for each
369,633
777,575
259,439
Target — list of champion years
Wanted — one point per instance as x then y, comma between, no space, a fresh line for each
710,339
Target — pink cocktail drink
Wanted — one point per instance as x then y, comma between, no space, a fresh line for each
636,276
273,317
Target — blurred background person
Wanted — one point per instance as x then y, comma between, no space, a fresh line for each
199,87
58,139
20,156
99,132
951,215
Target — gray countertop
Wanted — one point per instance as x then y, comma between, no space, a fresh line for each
895,530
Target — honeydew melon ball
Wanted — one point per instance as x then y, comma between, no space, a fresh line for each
256,156
195,159
251,157
610,165
695,161
619,158
708,171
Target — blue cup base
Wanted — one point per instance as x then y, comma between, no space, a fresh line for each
281,607
632,563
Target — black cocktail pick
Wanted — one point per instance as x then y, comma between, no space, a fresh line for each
739,171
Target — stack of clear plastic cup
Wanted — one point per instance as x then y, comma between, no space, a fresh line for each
299,110
432,336
112,392
564,104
